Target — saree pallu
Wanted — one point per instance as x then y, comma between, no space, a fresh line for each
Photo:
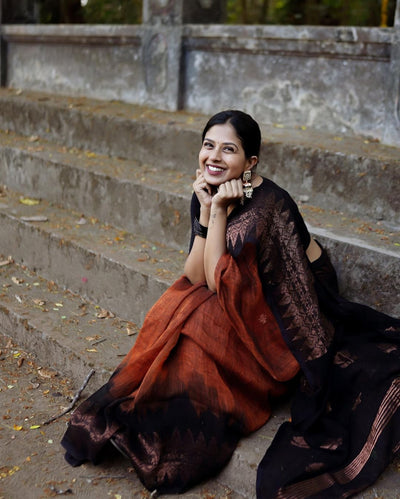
355,432
199,377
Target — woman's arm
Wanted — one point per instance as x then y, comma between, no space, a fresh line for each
222,203
313,251
205,253
194,265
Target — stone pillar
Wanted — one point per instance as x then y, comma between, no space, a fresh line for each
397,15
162,45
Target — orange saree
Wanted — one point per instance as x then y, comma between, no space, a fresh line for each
199,377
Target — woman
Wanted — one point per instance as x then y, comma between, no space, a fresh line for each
256,308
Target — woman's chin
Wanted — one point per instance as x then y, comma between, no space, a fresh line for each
214,180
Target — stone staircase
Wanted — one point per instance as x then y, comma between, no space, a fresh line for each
94,211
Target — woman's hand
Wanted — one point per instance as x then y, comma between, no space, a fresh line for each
227,193
203,190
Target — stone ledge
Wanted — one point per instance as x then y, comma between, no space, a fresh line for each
73,34
302,41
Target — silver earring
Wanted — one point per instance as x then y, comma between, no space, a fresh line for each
247,187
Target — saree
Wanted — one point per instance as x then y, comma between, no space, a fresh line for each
200,376
345,430
206,366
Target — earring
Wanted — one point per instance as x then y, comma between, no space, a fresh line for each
247,187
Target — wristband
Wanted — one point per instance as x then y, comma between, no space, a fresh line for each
199,230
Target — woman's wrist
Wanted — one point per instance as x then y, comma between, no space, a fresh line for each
204,217
199,229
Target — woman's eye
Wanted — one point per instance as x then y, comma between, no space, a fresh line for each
229,149
207,145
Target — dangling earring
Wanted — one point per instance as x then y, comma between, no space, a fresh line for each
247,187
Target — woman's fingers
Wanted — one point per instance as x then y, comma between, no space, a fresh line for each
233,189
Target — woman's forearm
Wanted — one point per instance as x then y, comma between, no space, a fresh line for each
194,265
215,245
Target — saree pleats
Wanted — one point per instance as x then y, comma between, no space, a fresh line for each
199,377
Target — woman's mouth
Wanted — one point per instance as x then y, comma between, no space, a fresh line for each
214,170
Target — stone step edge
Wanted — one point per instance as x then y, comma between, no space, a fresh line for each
181,120
303,169
114,270
123,193
120,271
127,200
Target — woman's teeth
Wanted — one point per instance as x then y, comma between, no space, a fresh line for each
215,168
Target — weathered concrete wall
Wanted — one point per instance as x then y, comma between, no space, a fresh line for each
328,78
99,61
342,80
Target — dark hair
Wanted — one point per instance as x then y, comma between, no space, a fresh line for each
246,128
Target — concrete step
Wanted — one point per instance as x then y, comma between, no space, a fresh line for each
154,202
135,196
332,171
125,273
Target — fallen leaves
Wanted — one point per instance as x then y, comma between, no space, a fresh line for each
6,471
8,261
104,314
132,329
45,372
17,280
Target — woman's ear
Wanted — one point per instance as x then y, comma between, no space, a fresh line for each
253,161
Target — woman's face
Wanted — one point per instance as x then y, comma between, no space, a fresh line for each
222,157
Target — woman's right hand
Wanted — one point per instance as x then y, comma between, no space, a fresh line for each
203,190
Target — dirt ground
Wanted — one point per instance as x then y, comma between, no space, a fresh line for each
31,458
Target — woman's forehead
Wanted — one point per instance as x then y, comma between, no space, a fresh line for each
223,133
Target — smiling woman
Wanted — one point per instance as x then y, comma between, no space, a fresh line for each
256,313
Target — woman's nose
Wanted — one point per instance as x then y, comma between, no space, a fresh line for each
216,154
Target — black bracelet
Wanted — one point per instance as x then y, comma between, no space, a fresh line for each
199,230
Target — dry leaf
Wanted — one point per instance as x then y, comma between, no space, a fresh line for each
131,331
17,280
104,314
9,261
29,201
39,302
47,373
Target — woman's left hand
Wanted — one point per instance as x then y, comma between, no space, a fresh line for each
227,193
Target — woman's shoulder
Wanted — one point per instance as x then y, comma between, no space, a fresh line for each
268,187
